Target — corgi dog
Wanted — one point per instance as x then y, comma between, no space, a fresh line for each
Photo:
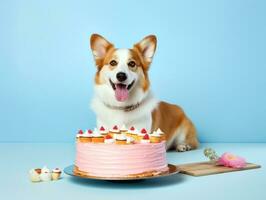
123,95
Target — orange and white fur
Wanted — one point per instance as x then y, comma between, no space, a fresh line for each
123,95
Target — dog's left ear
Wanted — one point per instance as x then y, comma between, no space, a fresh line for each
99,46
146,47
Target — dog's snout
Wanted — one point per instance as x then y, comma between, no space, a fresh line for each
121,76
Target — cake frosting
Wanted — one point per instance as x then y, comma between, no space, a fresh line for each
96,133
159,131
142,132
80,133
88,133
123,128
156,134
121,137
103,130
115,129
145,139
112,160
131,130
108,139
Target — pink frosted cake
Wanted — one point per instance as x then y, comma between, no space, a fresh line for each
120,155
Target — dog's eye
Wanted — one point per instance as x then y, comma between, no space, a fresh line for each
131,64
113,63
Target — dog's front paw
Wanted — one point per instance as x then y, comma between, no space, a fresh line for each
183,147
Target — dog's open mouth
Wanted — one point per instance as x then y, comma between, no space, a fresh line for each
121,90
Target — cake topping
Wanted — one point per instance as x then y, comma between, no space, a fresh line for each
88,133
123,128
143,131
102,128
132,130
146,137
121,137
103,131
115,129
80,133
96,133
108,137
135,132
159,131
155,134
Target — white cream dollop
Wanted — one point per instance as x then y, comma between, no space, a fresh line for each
87,134
156,134
78,134
121,137
96,133
123,128
159,131
135,132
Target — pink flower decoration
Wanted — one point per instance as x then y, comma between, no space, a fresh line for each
231,160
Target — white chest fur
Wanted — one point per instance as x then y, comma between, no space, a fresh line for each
140,117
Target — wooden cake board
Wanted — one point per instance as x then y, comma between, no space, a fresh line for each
209,168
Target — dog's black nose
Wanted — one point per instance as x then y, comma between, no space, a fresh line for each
121,76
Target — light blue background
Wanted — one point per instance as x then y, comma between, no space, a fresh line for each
210,60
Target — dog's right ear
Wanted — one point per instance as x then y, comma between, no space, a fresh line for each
99,46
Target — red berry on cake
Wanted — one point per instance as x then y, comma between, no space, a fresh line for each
143,131
115,127
103,131
146,137
90,131
114,130
132,128
108,137
80,133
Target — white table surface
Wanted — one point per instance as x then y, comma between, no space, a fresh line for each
18,158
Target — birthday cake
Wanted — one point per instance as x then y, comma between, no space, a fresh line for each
120,152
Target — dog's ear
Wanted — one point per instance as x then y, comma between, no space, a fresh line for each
146,47
99,46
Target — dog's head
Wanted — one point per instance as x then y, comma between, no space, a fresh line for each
122,74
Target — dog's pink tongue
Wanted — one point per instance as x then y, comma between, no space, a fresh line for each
121,93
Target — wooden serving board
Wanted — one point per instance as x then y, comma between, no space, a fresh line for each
209,168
